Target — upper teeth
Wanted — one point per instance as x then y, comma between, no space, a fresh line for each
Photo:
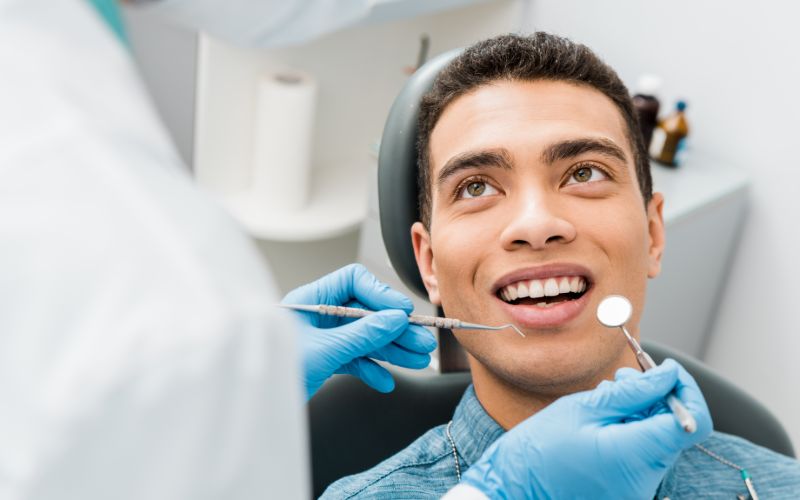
549,287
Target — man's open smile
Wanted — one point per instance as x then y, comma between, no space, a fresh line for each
546,296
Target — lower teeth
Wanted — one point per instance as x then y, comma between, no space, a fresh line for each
550,302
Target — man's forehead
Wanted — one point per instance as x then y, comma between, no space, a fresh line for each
533,113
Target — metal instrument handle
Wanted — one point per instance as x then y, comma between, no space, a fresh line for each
433,321
681,413
344,312
645,361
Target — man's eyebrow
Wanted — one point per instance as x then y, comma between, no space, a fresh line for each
499,158
571,148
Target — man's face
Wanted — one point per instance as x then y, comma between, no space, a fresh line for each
535,195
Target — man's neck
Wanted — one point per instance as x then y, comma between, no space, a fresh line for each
509,404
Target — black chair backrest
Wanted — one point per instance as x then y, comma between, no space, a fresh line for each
397,172
354,428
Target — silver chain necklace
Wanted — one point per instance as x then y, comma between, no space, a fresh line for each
748,482
455,452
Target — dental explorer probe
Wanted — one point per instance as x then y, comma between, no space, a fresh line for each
614,311
416,319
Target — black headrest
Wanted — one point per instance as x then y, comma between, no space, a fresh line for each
397,172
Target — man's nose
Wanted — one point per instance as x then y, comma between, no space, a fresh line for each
536,222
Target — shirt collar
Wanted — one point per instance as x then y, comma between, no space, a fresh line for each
473,429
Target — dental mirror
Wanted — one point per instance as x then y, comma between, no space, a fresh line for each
614,311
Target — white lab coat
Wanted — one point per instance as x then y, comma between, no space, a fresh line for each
141,356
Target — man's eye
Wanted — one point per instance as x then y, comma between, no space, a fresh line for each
475,189
582,175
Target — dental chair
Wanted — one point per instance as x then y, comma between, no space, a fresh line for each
354,428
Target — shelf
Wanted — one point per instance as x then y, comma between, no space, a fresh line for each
337,205
702,181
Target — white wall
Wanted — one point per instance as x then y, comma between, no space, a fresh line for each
738,65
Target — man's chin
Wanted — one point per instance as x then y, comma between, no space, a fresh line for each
545,377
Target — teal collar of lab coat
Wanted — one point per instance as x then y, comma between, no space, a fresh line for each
109,11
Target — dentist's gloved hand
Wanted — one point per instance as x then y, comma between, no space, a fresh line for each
344,345
616,441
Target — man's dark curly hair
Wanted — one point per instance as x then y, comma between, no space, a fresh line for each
540,56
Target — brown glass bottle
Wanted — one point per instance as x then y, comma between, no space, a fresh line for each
647,112
646,105
669,137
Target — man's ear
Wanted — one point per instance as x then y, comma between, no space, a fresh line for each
655,229
423,252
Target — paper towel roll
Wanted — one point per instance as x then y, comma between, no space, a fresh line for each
284,122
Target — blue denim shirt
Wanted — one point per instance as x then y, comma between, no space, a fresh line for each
426,468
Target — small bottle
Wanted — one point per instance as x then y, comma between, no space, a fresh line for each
669,137
646,105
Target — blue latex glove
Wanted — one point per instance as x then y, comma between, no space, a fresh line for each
616,441
343,345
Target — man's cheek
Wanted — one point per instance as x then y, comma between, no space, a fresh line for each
457,290
621,234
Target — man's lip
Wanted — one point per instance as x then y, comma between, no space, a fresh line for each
543,272
537,318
